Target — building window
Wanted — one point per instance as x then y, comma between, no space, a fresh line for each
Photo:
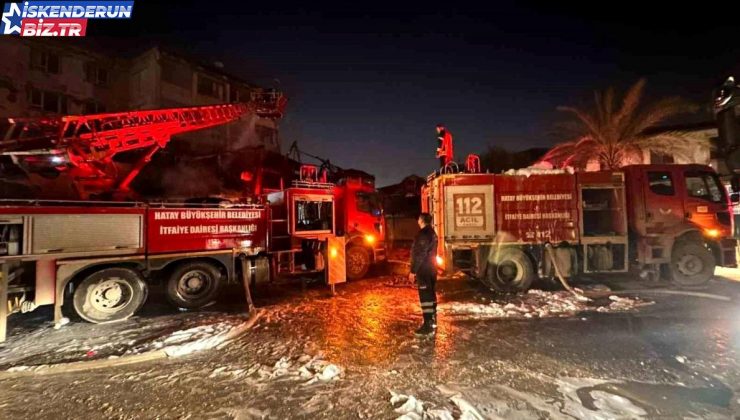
96,74
45,61
239,94
176,74
93,107
210,87
661,183
658,158
267,136
48,101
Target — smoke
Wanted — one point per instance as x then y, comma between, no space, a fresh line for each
193,180
244,133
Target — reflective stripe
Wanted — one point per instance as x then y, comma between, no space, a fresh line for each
423,304
427,311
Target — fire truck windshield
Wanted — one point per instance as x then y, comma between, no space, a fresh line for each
705,185
368,203
313,216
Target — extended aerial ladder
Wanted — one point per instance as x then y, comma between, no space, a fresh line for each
84,146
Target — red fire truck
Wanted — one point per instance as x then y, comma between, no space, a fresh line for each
359,213
362,222
508,230
100,256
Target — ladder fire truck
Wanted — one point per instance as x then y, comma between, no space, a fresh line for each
509,229
100,256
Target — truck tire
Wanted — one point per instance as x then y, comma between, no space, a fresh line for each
692,264
358,261
193,285
111,294
510,271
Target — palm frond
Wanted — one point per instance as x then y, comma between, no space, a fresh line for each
630,103
615,137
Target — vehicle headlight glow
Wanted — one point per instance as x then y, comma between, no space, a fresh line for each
712,233
440,262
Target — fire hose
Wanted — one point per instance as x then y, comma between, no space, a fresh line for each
558,273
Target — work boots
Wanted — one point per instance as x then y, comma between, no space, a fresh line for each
429,326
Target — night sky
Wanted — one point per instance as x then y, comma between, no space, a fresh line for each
367,86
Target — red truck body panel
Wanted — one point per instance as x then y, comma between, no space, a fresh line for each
536,208
187,229
525,209
151,230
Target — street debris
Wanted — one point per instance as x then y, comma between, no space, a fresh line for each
407,406
541,304
469,412
310,369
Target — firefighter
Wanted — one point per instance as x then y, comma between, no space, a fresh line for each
444,150
424,272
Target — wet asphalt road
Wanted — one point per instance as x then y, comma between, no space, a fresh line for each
675,358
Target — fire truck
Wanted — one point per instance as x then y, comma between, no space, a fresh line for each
101,256
359,212
361,221
510,229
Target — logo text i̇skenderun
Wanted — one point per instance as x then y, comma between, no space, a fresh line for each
59,18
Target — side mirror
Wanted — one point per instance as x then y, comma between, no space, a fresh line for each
735,198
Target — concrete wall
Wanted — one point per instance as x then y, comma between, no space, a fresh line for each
18,79
143,81
178,87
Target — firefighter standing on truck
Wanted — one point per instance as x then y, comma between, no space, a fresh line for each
444,150
424,272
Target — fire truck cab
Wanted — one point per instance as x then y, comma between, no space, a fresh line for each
303,230
676,214
360,219
510,229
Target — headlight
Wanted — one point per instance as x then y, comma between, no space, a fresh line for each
712,233
440,262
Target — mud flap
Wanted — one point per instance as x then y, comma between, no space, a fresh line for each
336,270
3,302
728,249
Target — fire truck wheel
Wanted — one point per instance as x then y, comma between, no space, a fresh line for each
510,271
358,262
692,264
111,294
193,285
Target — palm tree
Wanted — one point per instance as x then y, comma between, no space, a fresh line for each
616,136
